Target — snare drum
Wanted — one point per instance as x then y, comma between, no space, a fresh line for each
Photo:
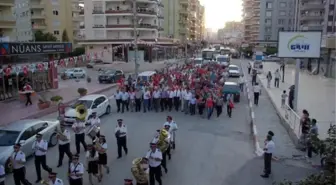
93,131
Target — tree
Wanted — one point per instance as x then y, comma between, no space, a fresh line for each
326,148
65,37
43,37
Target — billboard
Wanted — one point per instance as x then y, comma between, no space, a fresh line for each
26,48
299,44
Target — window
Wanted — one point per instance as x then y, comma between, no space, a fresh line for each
155,21
56,23
268,14
283,5
55,12
268,29
281,29
282,13
54,2
118,21
56,32
267,37
27,134
39,127
268,21
281,21
269,5
330,23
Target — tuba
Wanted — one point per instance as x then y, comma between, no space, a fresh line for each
44,182
81,112
162,137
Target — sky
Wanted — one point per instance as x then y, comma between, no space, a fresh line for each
217,12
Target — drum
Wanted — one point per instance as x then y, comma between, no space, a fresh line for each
92,132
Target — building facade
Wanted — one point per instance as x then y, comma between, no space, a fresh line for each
7,20
52,16
184,20
232,33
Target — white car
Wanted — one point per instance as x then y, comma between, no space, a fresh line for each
97,103
75,73
198,62
234,71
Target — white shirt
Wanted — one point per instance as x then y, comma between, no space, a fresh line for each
122,130
157,94
2,173
79,127
132,95
18,156
171,94
277,75
256,89
172,126
151,158
118,95
187,96
89,158
103,146
67,134
177,93
270,146
241,80
125,96
43,145
58,181
94,121
76,169
146,95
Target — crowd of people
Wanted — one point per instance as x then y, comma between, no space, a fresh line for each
186,88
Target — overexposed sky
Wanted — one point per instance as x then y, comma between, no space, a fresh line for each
217,12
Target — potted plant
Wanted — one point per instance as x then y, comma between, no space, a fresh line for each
56,99
43,104
82,91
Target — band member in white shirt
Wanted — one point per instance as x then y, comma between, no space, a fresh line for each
79,129
101,147
117,97
172,130
156,99
53,180
171,95
121,135
63,145
94,121
125,101
177,96
18,159
167,127
92,158
154,157
186,98
2,175
268,151
40,148
76,171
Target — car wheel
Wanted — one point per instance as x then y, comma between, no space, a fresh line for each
108,110
83,76
53,140
72,76
100,82
8,169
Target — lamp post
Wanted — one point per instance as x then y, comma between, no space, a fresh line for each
135,30
297,61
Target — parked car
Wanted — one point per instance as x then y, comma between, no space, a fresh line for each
234,71
110,76
24,132
198,62
233,89
97,103
90,65
75,73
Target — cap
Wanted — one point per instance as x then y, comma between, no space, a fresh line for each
166,125
52,174
153,144
119,120
270,133
17,144
75,156
94,112
169,117
38,135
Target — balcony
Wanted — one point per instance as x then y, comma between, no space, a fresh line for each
312,27
99,12
38,16
39,26
37,5
76,19
160,16
98,26
118,11
305,17
130,26
160,29
76,8
311,6
183,22
145,11
82,27
161,5
7,22
81,12
9,3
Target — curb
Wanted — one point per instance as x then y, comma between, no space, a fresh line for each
258,151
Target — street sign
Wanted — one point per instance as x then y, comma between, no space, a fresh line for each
259,57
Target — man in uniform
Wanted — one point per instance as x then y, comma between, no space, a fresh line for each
19,170
117,97
76,171
53,180
94,121
140,165
120,133
268,150
154,156
40,147
63,145
79,129
172,129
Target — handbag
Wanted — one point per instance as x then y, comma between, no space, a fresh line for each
231,105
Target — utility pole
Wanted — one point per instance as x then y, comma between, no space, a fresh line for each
135,30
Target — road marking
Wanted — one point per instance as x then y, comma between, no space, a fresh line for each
252,115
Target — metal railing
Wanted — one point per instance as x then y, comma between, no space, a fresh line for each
293,119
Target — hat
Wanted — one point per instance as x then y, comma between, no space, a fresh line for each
17,144
166,125
38,135
94,112
52,174
169,117
153,144
270,133
119,120
75,156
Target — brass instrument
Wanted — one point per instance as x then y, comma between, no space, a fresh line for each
44,182
138,172
81,112
161,141
60,135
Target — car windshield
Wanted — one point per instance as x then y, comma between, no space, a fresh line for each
207,55
233,68
222,59
86,103
109,72
231,88
8,137
198,61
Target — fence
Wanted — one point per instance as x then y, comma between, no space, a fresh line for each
293,119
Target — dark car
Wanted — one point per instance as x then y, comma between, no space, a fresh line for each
110,76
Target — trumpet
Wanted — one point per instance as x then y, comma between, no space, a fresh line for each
44,182
60,135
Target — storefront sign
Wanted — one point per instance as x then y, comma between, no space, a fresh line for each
14,48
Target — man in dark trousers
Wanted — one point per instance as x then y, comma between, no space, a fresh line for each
121,133
28,91
117,97
40,148
63,145
268,151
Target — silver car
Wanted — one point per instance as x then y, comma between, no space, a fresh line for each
24,132
234,71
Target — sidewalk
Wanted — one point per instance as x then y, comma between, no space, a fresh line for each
316,94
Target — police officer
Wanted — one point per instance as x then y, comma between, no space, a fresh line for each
18,159
117,97
121,134
53,180
154,156
76,171
94,121
40,148
268,151
63,145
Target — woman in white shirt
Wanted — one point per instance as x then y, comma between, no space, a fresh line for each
92,163
102,148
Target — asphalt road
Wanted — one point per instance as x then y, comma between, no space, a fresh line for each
215,151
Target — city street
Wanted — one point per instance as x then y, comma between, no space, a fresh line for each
215,151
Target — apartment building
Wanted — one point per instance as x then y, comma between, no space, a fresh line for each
264,19
52,16
7,20
184,20
232,33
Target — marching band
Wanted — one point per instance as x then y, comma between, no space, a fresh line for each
120,133
79,129
18,160
63,144
76,171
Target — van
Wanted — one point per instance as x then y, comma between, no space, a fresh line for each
223,60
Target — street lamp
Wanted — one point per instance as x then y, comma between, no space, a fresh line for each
135,30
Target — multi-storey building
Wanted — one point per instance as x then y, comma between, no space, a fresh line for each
52,16
232,33
7,20
264,19
184,19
